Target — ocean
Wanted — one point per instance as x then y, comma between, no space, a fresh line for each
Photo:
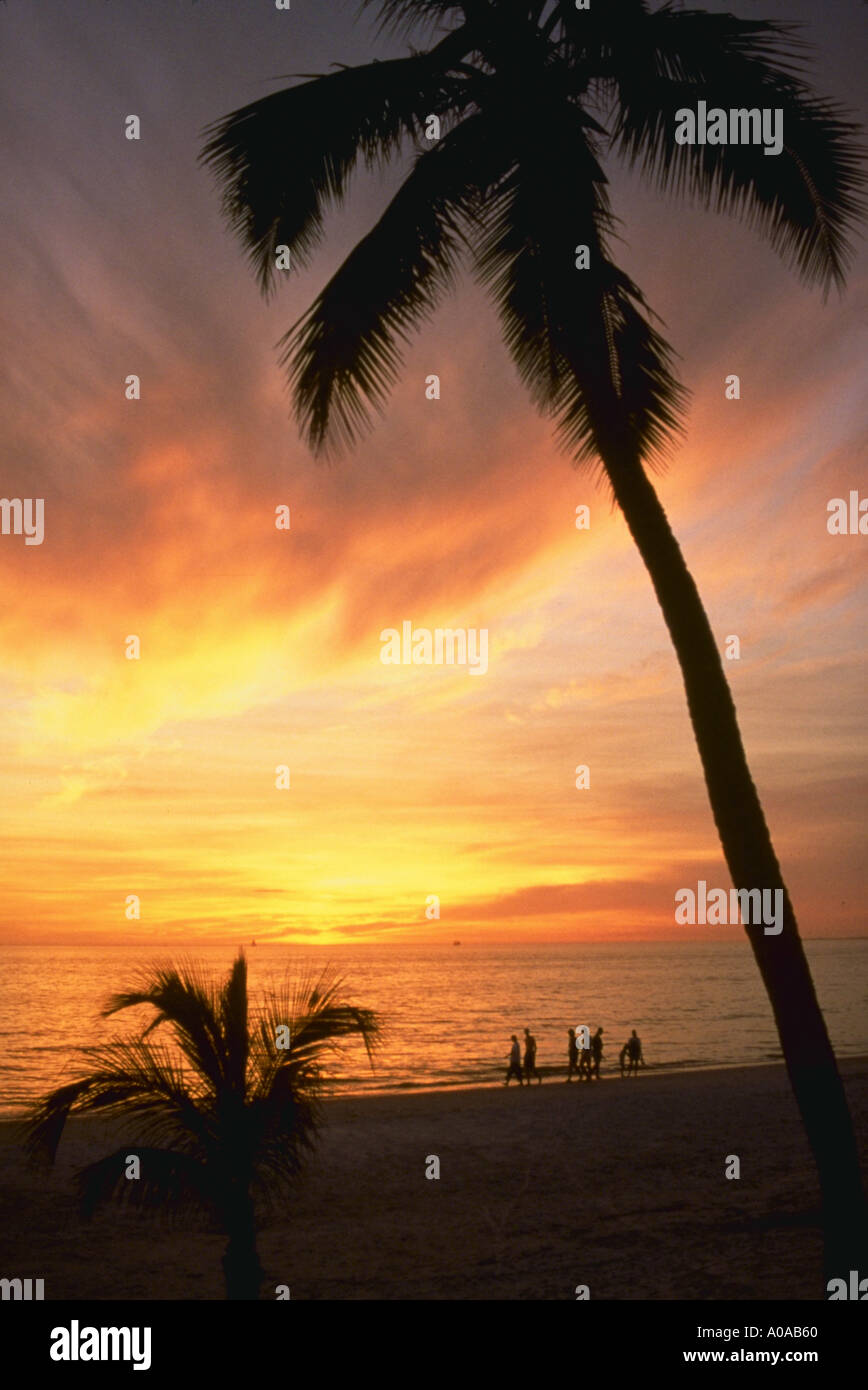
448,1011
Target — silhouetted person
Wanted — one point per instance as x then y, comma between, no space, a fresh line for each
530,1058
585,1062
514,1062
596,1052
572,1055
623,1056
634,1052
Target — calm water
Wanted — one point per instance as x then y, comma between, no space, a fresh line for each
449,1011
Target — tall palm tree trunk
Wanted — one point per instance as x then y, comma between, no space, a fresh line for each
749,853
241,1267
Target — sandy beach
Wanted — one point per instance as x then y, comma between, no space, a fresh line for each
618,1185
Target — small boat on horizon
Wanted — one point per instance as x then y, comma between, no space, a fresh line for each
456,943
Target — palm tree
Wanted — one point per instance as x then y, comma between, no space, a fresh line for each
530,96
222,1123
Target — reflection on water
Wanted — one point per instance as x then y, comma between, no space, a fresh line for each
449,1011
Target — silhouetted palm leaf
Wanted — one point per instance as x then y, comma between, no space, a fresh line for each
185,1000
580,340
802,200
175,1184
345,353
131,1078
315,134
402,18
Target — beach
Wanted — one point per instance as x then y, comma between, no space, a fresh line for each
617,1185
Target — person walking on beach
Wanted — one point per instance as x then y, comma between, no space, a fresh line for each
514,1062
572,1055
585,1056
530,1057
634,1052
596,1052
622,1058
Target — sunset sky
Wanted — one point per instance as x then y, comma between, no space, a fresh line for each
262,647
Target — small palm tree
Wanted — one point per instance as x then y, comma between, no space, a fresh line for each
531,96
222,1124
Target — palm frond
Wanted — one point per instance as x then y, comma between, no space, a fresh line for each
176,1182
345,353
625,39
406,16
581,339
287,1085
320,1021
284,159
283,1125
129,1078
187,1001
233,1024
804,200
